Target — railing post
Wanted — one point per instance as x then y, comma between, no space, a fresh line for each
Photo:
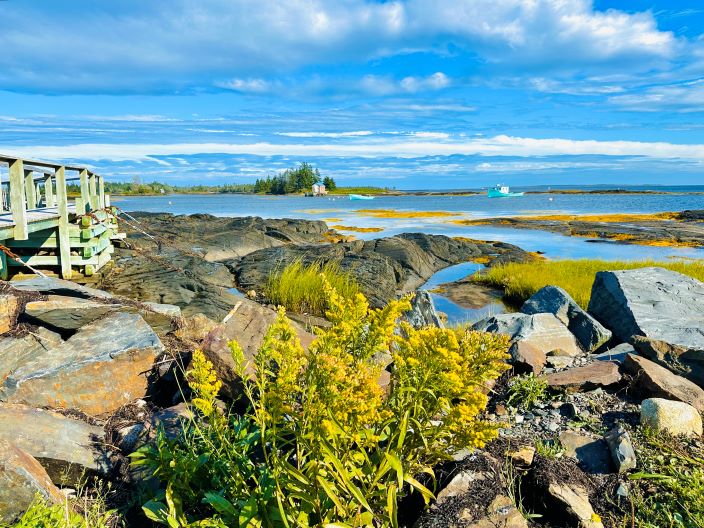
29,189
17,203
64,244
49,191
85,192
101,192
93,192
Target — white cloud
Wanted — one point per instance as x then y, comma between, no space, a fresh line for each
139,46
683,97
355,133
501,145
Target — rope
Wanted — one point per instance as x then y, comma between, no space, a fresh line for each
16,258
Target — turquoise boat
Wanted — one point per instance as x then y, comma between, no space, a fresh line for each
360,197
502,191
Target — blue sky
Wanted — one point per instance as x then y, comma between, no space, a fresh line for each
407,94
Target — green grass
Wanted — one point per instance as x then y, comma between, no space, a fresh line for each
526,391
668,488
549,448
299,287
520,281
41,514
359,190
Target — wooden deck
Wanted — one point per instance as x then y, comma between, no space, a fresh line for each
43,229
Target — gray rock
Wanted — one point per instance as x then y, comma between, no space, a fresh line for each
67,448
422,311
67,313
97,370
684,361
651,302
573,500
552,299
592,453
593,375
54,286
16,351
22,479
621,448
616,354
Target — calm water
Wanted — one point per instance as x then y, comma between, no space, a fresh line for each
341,211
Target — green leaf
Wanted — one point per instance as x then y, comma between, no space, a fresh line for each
343,475
425,492
155,511
403,429
330,492
221,505
391,506
397,466
248,511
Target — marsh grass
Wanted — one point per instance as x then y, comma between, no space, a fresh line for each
394,213
521,280
356,229
300,287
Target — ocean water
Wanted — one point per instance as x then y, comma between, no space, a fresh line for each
342,211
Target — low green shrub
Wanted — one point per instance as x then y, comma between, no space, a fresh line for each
300,288
42,514
549,448
668,489
521,280
527,390
323,444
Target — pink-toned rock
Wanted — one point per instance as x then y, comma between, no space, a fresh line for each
597,374
527,357
8,312
247,324
22,479
658,382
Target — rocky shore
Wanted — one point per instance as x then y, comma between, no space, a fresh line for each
88,375
685,228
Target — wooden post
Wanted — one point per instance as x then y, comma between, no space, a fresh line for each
29,189
17,203
49,191
85,192
38,191
101,192
64,243
92,187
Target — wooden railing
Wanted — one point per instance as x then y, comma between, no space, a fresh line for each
36,191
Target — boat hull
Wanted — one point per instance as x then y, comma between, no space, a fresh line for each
495,193
360,197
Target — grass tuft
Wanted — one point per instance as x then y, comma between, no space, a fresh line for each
526,391
356,229
521,280
300,288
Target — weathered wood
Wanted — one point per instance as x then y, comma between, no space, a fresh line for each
93,188
49,192
4,269
17,199
63,229
85,192
101,192
30,189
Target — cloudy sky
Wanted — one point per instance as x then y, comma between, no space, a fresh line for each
407,94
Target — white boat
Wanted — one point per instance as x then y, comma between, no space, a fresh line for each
502,191
360,197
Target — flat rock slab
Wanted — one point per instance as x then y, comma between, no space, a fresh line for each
247,324
597,374
67,313
16,351
553,299
651,302
54,286
22,479
658,382
683,361
67,448
97,370
592,453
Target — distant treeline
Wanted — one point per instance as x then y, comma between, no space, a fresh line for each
300,179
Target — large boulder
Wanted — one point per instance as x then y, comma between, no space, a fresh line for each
247,323
16,351
655,381
533,337
54,286
97,370
673,417
681,360
22,479
553,299
67,448
651,302
67,313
